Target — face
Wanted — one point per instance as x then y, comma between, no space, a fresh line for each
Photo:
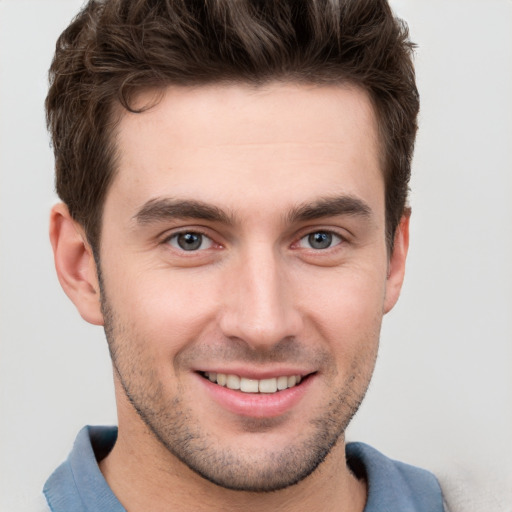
245,275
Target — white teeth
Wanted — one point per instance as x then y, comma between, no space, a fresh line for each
233,382
282,383
245,385
248,385
268,385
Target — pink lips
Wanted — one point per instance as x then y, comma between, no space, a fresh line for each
256,405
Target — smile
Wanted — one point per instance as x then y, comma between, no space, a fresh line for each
268,386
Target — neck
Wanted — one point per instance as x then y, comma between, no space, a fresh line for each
141,472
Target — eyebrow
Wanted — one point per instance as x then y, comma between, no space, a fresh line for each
329,207
161,209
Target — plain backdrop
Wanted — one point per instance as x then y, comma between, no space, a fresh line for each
441,396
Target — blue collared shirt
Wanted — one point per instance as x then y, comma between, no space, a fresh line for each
77,485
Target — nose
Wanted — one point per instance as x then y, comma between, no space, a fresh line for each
259,305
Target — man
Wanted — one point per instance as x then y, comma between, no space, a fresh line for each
234,182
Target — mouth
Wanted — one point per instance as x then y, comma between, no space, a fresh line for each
245,385
247,396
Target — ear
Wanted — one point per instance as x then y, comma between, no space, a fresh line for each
75,265
396,266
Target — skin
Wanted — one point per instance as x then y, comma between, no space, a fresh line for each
254,172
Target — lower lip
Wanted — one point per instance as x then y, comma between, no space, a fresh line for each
257,405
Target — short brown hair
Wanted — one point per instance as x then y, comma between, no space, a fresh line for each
114,48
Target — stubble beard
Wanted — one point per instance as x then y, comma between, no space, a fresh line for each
174,425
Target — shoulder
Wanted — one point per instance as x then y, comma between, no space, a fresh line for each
394,485
453,488
78,484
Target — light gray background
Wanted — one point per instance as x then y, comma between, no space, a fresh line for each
442,393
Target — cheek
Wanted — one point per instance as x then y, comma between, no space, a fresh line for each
162,312
352,290
347,309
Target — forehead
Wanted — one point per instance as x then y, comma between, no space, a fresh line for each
220,141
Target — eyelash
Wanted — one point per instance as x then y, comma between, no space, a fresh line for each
332,238
192,233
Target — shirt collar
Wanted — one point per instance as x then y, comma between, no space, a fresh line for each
79,485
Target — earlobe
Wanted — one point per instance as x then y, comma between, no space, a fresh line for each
75,265
396,267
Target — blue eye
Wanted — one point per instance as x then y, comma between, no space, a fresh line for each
320,240
190,241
